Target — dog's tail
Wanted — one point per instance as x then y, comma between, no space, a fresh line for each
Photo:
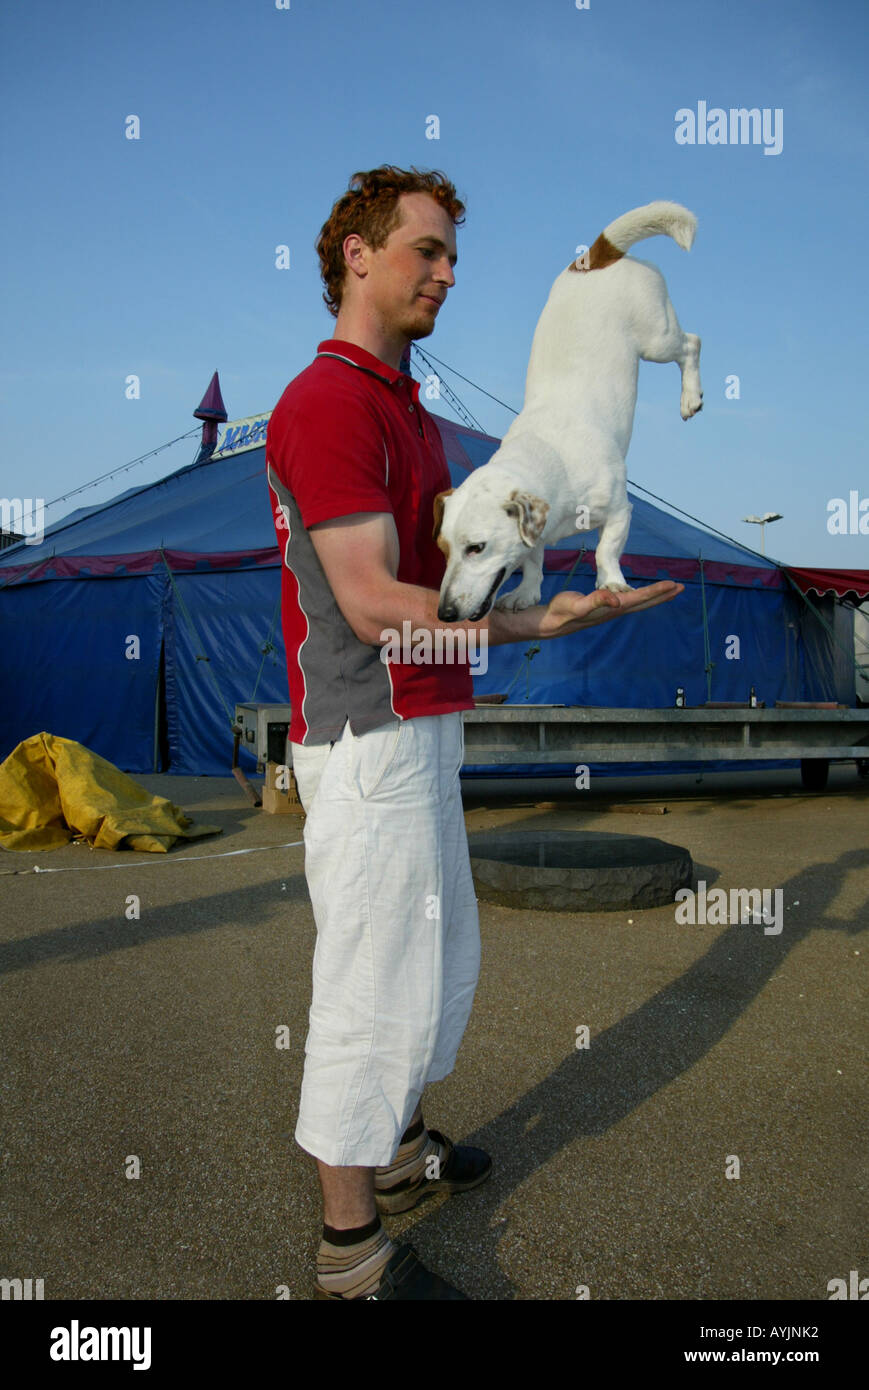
653,219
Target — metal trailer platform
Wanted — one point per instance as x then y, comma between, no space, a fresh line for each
531,734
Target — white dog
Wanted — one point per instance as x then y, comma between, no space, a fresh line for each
561,464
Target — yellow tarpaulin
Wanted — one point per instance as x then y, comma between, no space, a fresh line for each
53,790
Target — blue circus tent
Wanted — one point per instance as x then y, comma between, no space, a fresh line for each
135,626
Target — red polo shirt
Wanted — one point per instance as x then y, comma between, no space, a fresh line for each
349,435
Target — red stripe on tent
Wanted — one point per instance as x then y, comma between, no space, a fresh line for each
142,562
648,567
657,567
844,583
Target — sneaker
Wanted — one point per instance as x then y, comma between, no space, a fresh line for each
404,1277
463,1168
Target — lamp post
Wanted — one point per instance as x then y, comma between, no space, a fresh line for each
761,522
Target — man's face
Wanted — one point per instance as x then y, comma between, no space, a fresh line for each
408,278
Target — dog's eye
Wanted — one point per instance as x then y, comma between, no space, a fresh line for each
475,549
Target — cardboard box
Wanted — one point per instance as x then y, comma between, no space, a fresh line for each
280,794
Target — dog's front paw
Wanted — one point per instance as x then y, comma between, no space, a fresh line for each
616,586
516,600
691,402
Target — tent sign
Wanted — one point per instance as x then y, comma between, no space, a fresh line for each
239,435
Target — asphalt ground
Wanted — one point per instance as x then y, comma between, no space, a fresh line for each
156,1039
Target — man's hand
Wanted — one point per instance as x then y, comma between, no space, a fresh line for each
570,611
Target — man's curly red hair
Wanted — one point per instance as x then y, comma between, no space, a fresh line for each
370,208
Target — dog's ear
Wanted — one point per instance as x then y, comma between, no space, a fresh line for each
531,513
439,511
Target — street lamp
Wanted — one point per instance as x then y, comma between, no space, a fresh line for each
761,522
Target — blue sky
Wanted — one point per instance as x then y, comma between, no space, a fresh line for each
156,256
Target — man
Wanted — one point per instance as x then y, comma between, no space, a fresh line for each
354,464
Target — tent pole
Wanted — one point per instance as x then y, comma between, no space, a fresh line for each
156,749
707,650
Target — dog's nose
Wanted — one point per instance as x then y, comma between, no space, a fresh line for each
447,612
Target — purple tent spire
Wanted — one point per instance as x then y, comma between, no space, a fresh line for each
212,412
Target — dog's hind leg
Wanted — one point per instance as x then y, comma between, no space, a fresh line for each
664,341
689,363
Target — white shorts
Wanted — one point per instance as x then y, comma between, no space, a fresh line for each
398,941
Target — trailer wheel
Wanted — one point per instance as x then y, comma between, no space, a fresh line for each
814,773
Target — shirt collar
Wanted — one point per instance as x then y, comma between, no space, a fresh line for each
359,357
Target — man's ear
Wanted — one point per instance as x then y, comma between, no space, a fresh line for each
355,250
439,511
531,513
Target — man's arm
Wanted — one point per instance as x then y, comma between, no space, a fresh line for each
360,553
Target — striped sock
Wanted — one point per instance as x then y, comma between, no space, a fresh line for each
351,1263
414,1160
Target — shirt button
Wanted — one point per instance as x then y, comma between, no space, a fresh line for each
410,407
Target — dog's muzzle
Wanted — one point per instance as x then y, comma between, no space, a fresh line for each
448,611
